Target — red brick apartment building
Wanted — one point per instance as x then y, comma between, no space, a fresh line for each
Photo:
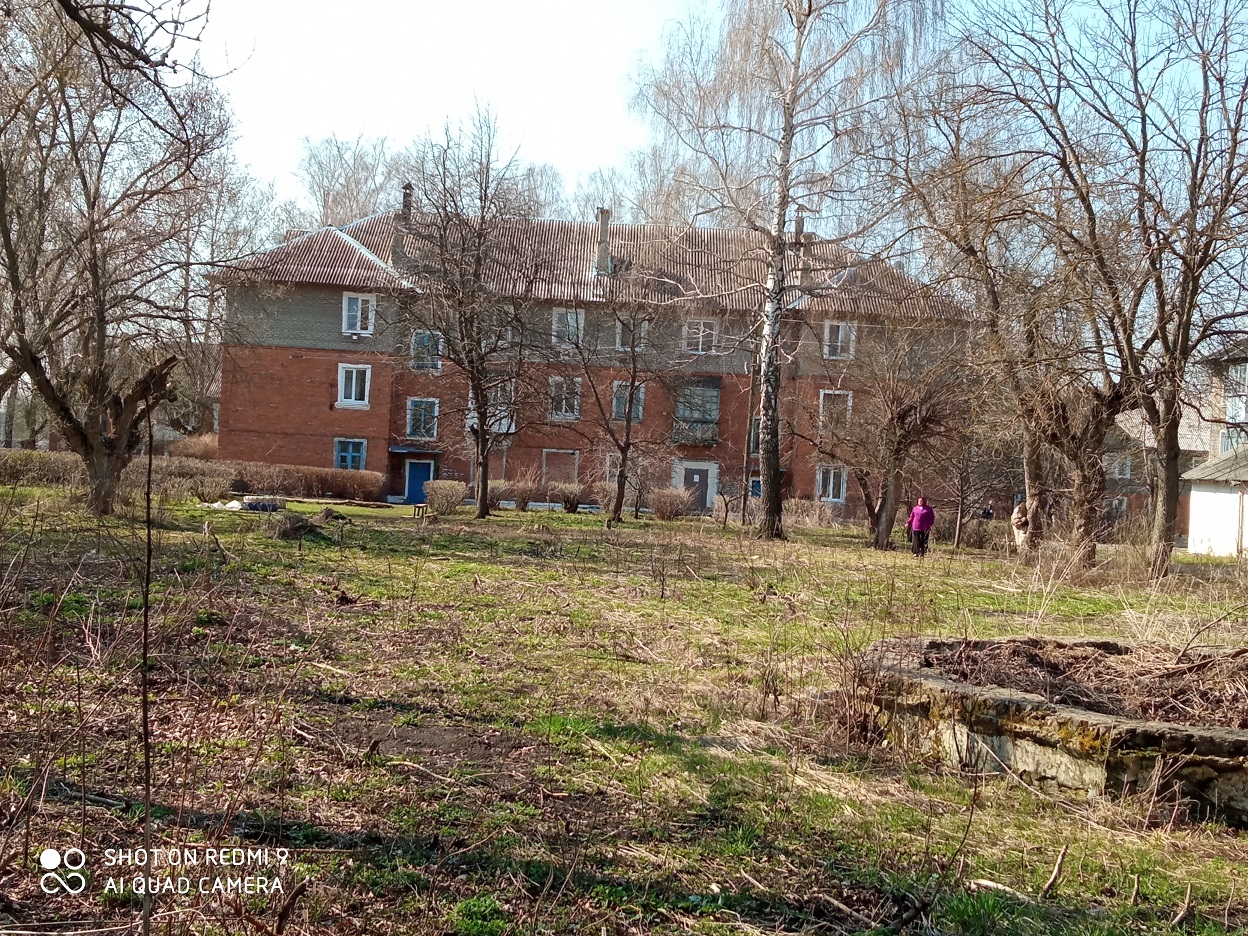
322,367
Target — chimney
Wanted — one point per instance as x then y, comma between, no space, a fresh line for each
602,263
407,202
799,226
803,255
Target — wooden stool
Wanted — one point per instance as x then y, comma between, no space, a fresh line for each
419,511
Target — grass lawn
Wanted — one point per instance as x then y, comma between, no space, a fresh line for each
532,724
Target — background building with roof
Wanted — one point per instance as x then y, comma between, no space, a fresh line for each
323,363
1219,505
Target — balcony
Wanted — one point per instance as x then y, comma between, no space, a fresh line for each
695,432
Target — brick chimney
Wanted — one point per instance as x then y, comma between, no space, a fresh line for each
602,262
407,202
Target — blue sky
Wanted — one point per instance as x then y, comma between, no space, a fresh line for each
556,73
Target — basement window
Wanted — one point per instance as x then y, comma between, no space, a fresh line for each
349,454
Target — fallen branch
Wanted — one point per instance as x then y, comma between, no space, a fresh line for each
985,884
425,770
849,911
1185,911
1135,890
283,915
1204,627
1057,872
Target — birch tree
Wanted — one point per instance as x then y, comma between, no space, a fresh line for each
761,104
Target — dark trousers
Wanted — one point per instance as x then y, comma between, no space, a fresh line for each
918,541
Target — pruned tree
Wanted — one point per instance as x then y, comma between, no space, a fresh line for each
471,274
760,106
93,179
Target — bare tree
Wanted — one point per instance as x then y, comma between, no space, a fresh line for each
759,106
911,392
1125,125
348,179
92,181
472,274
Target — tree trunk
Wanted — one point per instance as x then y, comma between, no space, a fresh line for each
771,524
1034,494
745,460
482,492
887,517
1086,496
1166,501
103,475
869,502
621,485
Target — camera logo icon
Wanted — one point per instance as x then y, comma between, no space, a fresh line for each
52,862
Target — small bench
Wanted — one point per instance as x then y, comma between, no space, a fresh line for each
420,511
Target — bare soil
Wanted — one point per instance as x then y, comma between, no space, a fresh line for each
1205,686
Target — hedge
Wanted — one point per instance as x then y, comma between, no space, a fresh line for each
191,478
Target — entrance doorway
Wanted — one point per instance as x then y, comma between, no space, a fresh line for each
418,472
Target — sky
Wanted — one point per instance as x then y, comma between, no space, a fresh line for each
555,73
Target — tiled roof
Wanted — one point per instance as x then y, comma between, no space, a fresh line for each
1232,467
554,261
1193,429
328,257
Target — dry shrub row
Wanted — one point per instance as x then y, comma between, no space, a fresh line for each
193,479
203,446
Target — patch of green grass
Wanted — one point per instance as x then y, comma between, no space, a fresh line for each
479,916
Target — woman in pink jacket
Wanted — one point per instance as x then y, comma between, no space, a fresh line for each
920,522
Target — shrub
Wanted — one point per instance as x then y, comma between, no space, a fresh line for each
570,494
202,446
525,488
499,491
444,496
187,478
670,503
810,513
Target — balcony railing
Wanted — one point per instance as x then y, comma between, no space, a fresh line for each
695,432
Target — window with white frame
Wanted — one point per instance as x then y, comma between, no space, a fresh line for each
701,336
835,408
619,401
353,385
630,334
565,399
1118,466
358,310
833,481
500,410
426,350
349,454
1237,393
838,340
422,418
567,328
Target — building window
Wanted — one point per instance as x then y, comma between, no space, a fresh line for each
1237,393
1118,466
567,328
500,411
700,336
1114,509
565,399
353,385
1229,439
833,483
422,418
358,310
755,427
349,454
835,408
619,400
838,340
426,350
697,415
630,334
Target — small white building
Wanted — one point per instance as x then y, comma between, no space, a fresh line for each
1219,506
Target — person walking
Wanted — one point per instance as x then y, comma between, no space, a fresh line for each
920,522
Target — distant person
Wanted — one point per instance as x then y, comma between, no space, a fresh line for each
920,522
1020,522
987,513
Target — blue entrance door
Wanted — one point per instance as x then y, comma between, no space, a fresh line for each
418,472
